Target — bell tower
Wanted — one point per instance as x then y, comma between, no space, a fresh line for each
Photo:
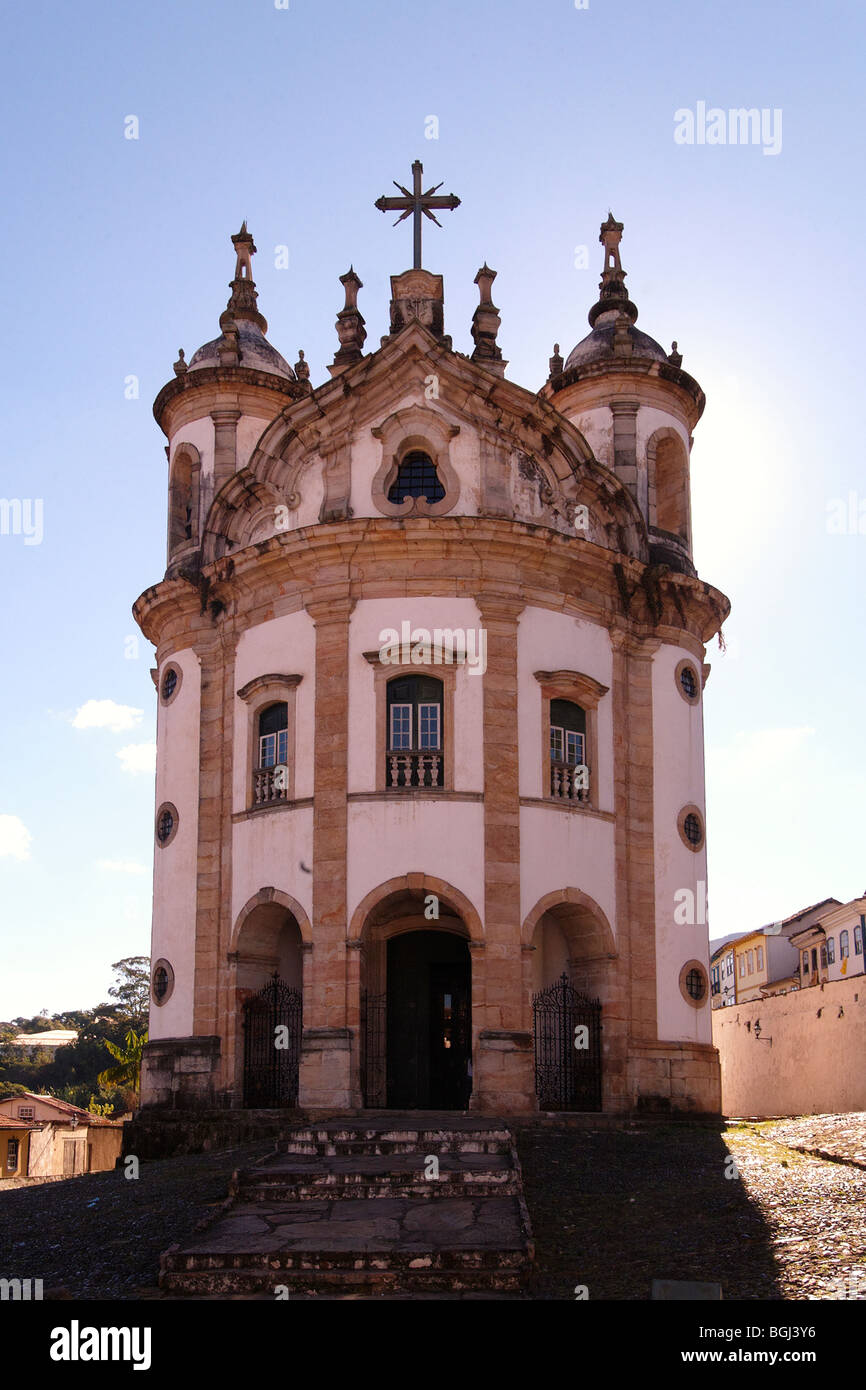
633,402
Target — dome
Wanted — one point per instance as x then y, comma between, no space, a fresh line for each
255,352
599,344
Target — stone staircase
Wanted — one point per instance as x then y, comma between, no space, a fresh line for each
382,1205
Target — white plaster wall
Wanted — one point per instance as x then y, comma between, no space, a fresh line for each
250,430
175,865
391,838
369,619
548,641
650,419
284,646
678,779
267,852
561,849
596,426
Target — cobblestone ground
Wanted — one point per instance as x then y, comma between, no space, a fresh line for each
611,1209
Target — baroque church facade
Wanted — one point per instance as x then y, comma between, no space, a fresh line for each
430,658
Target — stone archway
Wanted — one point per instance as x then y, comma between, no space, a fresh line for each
572,949
271,942
415,942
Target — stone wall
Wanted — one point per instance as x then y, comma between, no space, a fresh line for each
807,1059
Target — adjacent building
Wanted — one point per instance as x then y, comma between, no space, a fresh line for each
41,1136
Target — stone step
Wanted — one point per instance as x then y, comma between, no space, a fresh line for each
394,1139
291,1177
391,1245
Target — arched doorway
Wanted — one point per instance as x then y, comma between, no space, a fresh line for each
416,1004
268,970
573,958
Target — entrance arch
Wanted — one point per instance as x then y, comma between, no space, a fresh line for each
571,985
267,966
415,982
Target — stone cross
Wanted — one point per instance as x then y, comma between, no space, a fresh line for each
417,203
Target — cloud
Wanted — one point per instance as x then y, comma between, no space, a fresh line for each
121,866
15,838
106,714
138,757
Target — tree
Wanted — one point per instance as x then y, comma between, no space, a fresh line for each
127,1073
132,989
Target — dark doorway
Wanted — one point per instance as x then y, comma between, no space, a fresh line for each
429,1025
272,1046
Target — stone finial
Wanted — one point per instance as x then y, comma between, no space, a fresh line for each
675,358
350,325
243,301
180,367
245,248
556,363
613,295
610,235
486,324
302,367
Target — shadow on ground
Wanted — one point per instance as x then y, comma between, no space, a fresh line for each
615,1209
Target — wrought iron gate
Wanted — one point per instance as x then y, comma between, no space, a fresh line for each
567,1076
374,1080
271,1060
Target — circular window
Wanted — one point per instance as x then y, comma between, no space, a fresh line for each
170,683
693,983
161,982
166,824
688,682
690,824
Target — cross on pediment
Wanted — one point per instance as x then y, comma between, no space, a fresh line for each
416,203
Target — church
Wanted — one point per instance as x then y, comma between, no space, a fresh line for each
430,662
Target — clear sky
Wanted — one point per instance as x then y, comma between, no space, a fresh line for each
117,252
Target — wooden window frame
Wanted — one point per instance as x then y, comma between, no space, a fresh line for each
581,690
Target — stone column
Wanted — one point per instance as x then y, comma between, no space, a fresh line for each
625,444
631,1015
225,423
325,1074
504,1080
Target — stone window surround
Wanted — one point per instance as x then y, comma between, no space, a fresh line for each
271,689
165,806
694,965
383,672
681,666
169,970
403,432
582,690
180,545
691,810
169,666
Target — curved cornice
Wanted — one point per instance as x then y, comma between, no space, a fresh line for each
460,556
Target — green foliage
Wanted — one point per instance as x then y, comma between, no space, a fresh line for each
128,1058
77,1073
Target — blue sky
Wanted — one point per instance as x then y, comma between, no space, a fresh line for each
117,252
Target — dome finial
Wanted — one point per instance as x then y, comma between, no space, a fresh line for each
242,304
613,295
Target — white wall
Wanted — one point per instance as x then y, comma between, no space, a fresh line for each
678,779
175,865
